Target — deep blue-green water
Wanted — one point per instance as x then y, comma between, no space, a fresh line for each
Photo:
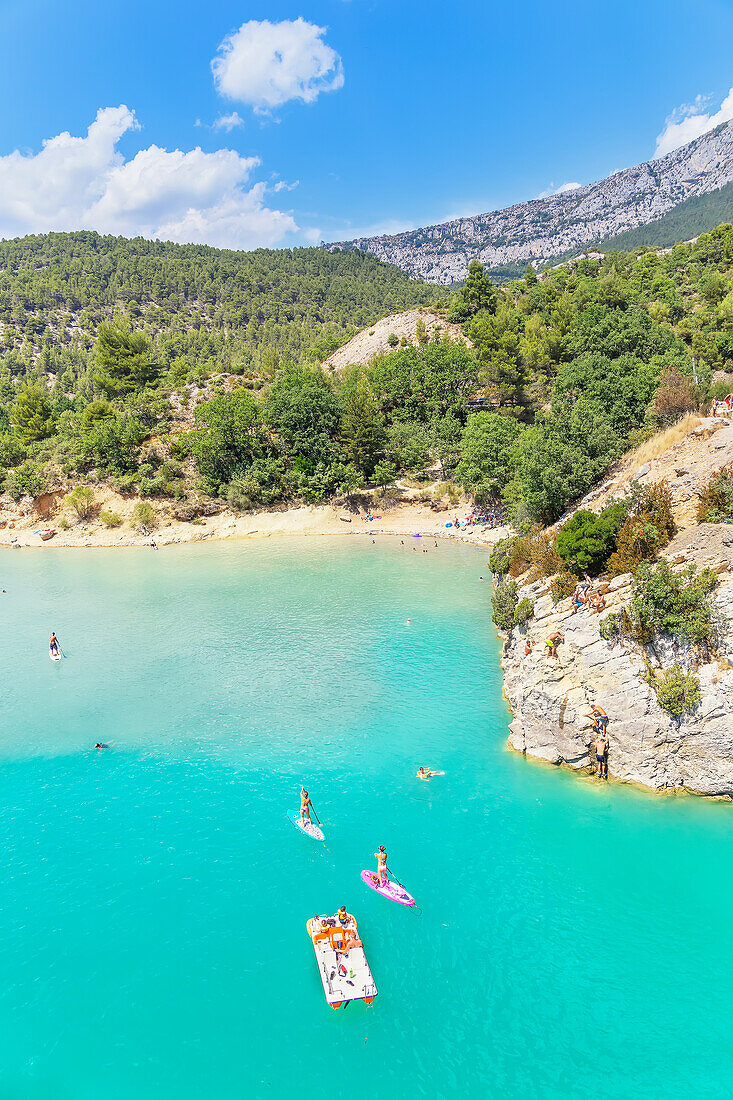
574,938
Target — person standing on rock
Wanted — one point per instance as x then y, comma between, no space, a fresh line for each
600,725
551,641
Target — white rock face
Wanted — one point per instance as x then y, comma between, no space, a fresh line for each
549,696
544,229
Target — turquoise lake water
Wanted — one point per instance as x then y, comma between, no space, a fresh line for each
574,938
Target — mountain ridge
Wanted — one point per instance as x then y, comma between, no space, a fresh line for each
539,231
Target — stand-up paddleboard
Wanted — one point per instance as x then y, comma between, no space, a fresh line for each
54,656
392,890
310,827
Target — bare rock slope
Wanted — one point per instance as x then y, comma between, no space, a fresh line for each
544,229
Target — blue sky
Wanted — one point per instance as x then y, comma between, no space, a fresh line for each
399,113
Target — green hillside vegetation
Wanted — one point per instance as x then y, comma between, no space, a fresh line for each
697,215
193,373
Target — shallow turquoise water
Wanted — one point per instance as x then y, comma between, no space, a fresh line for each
574,939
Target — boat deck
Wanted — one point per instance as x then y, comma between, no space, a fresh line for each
345,975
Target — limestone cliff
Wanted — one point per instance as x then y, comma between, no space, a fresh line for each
549,696
544,229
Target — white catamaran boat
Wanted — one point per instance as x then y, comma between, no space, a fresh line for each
342,964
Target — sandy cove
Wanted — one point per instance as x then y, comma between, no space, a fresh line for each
406,519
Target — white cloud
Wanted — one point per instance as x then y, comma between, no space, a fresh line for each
690,121
86,183
227,122
561,190
281,185
266,64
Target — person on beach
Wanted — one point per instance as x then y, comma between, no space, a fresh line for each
305,805
53,644
381,857
552,641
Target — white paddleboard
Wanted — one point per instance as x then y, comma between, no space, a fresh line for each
54,656
310,827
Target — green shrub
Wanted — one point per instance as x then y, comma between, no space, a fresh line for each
648,527
25,480
110,519
143,515
523,612
504,604
586,541
616,626
716,498
675,604
562,586
500,557
81,501
678,692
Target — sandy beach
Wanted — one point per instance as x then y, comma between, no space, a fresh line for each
406,519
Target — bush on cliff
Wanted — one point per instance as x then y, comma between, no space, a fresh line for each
678,692
716,498
586,541
648,527
675,604
523,612
501,556
504,604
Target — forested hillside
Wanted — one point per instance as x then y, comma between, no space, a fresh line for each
202,308
186,373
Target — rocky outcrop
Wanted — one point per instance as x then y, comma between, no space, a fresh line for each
404,328
684,457
544,229
549,696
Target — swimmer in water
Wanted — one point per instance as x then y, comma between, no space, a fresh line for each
101,745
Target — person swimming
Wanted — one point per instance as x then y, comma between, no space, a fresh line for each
381,857
101,745
305,805
53,644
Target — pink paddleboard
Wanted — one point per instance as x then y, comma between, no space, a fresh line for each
391,890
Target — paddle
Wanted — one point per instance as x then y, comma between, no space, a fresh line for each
389,872
315,814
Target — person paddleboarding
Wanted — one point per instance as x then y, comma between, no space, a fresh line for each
53,645
381,858
305,806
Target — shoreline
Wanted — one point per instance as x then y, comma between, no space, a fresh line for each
406,520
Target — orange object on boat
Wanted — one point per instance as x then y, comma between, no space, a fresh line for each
342,964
